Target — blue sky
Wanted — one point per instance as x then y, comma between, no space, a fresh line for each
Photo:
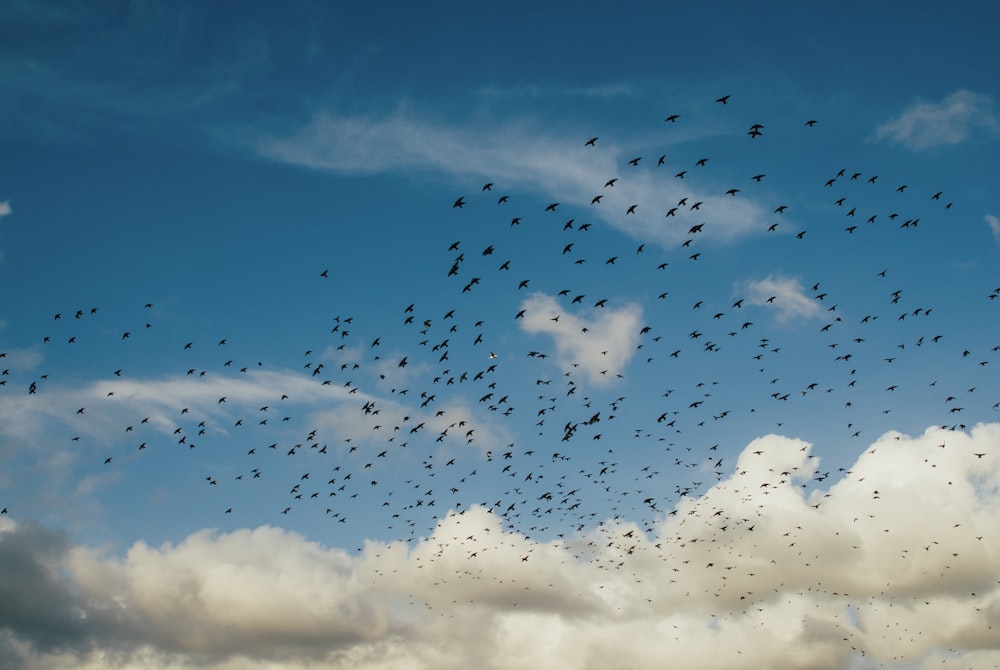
719,388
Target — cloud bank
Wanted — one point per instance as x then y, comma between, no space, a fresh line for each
891,564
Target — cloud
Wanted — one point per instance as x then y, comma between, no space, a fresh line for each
994,223
600,345
217,593
925,125
127,418
894,561
451,420
784,294
112,404
22,359
5,210
598,92
557,168
31,595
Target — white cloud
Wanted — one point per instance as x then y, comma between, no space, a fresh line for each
219,593
994,223
121,413
22,359
112,404
784,294
600,345
924,125
896,561
5,210
558,168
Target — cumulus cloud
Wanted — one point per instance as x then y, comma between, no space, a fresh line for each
924,125
994,223
258,591
599,345
558,168
784,294
893,562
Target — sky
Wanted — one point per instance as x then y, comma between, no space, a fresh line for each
501,336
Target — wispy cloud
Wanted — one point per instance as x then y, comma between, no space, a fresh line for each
110,405
784,294
600,92
22,359
994,223
557,167
5,210
894,559
599,344
924,125
112,415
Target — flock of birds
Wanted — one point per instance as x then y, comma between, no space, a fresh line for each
444,401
